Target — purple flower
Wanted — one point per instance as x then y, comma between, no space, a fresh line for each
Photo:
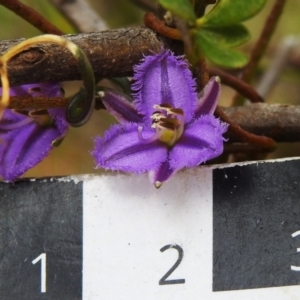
25,139
167,128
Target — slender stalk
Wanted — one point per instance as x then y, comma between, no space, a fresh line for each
37,103
31,16
151,21
239,85
261,44
201,73
244,135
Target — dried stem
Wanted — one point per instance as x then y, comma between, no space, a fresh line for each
151,21
31,16
239,85
244,135
262,43
25,103
201,73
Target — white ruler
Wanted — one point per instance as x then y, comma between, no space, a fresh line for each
134,234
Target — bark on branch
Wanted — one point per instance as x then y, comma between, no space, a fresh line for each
278,121
112,53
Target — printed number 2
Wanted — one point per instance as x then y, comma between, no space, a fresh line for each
42,258
163,280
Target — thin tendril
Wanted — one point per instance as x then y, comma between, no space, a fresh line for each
73,118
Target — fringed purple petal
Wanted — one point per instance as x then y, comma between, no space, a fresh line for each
161,174
164,79
202,140
120,149
118,105
208,98
24,143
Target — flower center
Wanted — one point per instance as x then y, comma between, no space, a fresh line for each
168,123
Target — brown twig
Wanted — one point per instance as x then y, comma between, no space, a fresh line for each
24,103
151,21
49,63
244,135
262,43
201,73
239,85
31,16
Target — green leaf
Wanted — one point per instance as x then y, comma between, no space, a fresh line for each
228,12
180,8
218,53
228,36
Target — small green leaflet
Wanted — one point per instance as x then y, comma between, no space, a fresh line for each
181,8
227,36
217,52
229,12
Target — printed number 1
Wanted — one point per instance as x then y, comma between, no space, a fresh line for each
42,258
163,280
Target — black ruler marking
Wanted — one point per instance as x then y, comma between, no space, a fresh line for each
256,209
36,217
